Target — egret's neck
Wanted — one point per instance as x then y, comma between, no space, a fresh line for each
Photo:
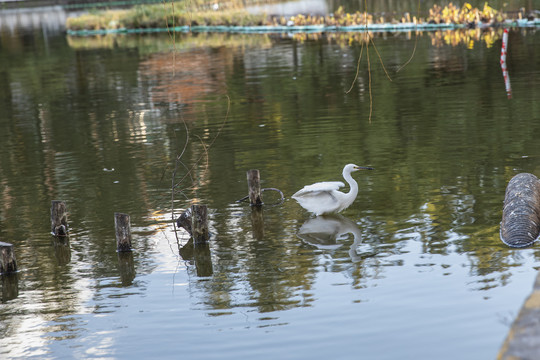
353,191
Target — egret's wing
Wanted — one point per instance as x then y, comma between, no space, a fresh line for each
327,186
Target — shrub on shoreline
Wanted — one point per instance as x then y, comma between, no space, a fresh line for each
233,14
160,16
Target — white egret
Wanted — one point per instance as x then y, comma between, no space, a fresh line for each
324,197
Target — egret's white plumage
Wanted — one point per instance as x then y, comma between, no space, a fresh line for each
324,197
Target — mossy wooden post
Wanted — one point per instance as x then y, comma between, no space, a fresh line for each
59,223
8,264
123,232
199,224
254,185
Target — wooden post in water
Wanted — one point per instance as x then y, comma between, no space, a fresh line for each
59,224
254,185
199,224
123,232
8,264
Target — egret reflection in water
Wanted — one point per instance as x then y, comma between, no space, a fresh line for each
327,232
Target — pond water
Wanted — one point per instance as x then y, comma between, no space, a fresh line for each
417,270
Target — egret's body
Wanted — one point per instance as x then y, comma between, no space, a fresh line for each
324,197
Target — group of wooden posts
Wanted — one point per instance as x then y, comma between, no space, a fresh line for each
59,229
194,221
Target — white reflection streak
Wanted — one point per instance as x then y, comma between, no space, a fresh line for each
104,346
29,336
43,123
138,131
28,332
164,237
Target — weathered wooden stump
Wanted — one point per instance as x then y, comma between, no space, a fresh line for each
8,264
520,225
199,224
195,221
255,192
123,232
59,223
254,186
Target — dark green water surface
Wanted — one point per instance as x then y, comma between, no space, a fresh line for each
422,273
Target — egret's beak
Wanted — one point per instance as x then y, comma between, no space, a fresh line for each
363,168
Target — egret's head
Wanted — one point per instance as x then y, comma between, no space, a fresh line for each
351,167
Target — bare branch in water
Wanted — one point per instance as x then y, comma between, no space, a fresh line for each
370,40
415,41
369,83
173,185
189,170
357,69
379,55
173,36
